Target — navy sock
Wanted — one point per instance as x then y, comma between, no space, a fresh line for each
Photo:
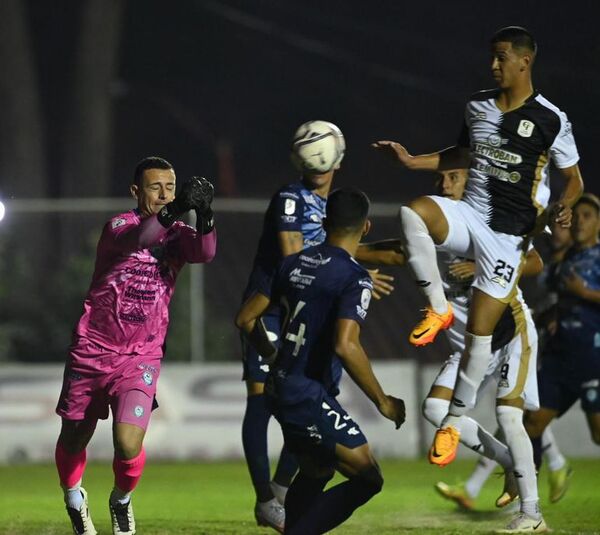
334,506
302,493
286,468
537,452
254,440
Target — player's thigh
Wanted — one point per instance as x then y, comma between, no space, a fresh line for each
131,415
484,313
315,467
76,434
355,462
446,224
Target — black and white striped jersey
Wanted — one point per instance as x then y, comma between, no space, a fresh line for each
510,153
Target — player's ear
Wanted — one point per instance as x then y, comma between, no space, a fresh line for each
134,190
366,228
526,61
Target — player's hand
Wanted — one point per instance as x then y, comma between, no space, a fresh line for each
381,284
394,150
203,194
462,271
393,409
561,215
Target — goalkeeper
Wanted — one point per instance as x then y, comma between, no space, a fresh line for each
117,346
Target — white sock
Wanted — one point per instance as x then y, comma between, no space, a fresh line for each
117,496
483,470
422,258
73,496
519,444
478,350
434,410
478,439
550,450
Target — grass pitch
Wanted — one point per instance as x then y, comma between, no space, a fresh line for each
215,499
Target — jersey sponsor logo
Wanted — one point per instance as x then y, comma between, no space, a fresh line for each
299,279
366,283
591,395
525,128
499,280
314,261
315,218
365,299
496,154
594,383
289,195
289,218
496,141
132,317
481,116
513,176
119,222
362,313
567,130
289,206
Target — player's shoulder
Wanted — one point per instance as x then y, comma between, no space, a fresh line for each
289,191
125,218
484,95
543,103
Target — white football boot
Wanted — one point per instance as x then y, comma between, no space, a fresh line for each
80,518
523,523
123,521
271,514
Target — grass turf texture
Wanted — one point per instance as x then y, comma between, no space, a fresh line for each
216,499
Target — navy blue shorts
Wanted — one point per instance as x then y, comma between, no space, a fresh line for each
255,369
563,379
314,427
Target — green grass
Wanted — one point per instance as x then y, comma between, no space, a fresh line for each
216,499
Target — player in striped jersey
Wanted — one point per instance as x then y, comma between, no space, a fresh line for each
509,136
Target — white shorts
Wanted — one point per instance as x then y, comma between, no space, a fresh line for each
513,367
497,256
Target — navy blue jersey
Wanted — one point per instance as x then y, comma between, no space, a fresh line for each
575,313
314,289
294,208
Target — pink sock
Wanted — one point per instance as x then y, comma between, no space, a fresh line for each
128,471
70,466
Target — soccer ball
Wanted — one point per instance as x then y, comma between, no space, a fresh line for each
318,147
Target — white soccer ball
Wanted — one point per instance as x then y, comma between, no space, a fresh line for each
318,147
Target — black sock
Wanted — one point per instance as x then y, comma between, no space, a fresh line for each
302,493
286,468
334,506
254,440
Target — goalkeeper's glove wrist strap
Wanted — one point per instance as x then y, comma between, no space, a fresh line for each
168,214
205,221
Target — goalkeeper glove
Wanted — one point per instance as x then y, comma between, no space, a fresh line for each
203,198
188,198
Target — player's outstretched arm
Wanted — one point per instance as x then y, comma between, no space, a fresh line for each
383,252
357,365
250,323
454,157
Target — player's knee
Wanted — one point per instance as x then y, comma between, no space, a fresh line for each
127,447
434,410
75,436
371,480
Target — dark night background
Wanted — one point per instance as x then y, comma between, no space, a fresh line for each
217,87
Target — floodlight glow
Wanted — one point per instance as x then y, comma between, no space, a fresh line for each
2,211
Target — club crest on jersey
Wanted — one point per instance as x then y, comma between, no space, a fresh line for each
525,128
147,378
116,223
365,298
138,411
289,207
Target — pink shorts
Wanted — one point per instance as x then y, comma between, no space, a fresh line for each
96,379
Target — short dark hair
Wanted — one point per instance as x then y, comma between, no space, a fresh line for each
518,36
150,162
347,209
589,199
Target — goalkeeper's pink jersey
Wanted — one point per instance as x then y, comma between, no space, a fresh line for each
137,262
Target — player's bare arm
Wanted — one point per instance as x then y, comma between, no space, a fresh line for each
385,252
249,322
560,212
454,157
356,363
290,242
